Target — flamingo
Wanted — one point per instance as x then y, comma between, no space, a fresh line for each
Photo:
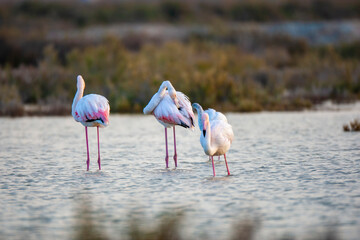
171,108
91,111
213,115
217,136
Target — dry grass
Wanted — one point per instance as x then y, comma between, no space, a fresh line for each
353,126
222,76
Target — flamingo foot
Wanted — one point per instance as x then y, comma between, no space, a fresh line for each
167,152
98,148
167,161
212,159
227,167
175,160
87,149
99,164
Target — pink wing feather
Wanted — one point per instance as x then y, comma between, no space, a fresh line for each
93,108
168,114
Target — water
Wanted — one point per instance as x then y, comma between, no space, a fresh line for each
296,173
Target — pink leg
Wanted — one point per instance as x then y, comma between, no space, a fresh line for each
87,148
175,154
167,153
98,148
212,159
227,167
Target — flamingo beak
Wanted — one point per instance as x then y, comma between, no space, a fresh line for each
204,128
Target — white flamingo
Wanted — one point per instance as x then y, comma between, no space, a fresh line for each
171,108
213,115
91,111
216,138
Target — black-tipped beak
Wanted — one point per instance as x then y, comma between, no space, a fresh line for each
204,132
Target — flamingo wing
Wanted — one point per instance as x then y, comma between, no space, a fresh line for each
186,108
221,133
168,114
93,108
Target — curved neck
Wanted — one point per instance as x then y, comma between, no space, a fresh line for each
79,94
200,112
207,138
155,100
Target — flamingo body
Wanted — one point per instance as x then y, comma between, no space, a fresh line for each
169,115
221,137
92,111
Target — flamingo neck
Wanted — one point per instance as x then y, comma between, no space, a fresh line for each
207,138
156,99
200,112
79,94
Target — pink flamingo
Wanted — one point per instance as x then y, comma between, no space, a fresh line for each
213,115
91,111
171,108
217,135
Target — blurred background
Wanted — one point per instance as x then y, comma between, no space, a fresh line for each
234,55
292,172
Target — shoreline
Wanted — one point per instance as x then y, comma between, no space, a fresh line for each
34,110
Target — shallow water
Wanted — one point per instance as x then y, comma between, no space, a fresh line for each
295,173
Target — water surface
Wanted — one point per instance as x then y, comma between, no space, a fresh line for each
296,173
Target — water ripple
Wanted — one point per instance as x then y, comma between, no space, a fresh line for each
296,172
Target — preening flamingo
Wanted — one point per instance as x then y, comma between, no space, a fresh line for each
213,115
216,137
171,108
91,111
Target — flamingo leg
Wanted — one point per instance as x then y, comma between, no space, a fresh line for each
167,153
212,159
87,148
98,148
227,167
175,154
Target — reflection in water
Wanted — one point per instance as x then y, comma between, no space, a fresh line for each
85,226
168,226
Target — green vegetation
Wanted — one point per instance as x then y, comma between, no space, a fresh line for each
225,68
218,75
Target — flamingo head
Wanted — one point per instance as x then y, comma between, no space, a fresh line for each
197,107
80,82
205,118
